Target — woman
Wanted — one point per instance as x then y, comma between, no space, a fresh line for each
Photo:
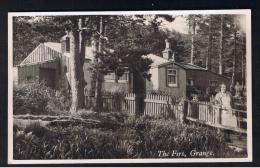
223,99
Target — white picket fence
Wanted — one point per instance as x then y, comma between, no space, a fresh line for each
153,105
162,106
167,106
209,114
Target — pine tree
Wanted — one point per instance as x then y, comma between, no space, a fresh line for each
221,45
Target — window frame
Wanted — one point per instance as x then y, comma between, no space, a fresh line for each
106,79
124,80
176,77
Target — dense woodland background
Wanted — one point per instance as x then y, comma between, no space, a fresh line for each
215,42
209,35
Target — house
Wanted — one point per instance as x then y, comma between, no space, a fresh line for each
50,62
179,78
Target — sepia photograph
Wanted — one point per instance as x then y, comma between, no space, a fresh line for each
129,87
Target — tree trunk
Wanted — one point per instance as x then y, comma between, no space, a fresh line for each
99,76
208,58
221,47
242,60
192,39
234,61
76,66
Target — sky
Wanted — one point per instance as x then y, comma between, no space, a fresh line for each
179,24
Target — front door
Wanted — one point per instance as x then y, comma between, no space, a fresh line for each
48,76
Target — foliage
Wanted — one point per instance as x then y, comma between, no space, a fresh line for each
29,32
68,143
136,137
37,98
208,26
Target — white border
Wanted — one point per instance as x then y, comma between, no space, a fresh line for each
247,12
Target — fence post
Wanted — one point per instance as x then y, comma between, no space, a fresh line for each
139,104
217,115
185,111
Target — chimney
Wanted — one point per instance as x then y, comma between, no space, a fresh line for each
167,52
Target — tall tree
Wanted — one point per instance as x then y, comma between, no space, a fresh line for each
29,32
77,57
221,45
99,76
234,62
208,58
192,28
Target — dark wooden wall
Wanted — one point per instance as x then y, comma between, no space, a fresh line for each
202,79
180,90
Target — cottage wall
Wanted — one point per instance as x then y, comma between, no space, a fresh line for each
27,73
202,79
153,84
180,89
106,85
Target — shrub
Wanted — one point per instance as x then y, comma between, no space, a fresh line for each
36,98
136,137
60,103
31,98
37,129
163,135
69,143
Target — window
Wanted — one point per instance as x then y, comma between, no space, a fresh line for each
172,77
111,77
190,82
67,44
213,83
123,78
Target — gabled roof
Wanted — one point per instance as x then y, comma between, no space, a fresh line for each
160,61
42,53
54,46
156,60
188,66
49,51
191,66
184,65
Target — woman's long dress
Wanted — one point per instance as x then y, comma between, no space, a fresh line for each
228,118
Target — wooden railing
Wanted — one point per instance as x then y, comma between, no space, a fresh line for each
212,115
167,106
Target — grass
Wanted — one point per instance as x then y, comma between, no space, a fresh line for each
116,135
